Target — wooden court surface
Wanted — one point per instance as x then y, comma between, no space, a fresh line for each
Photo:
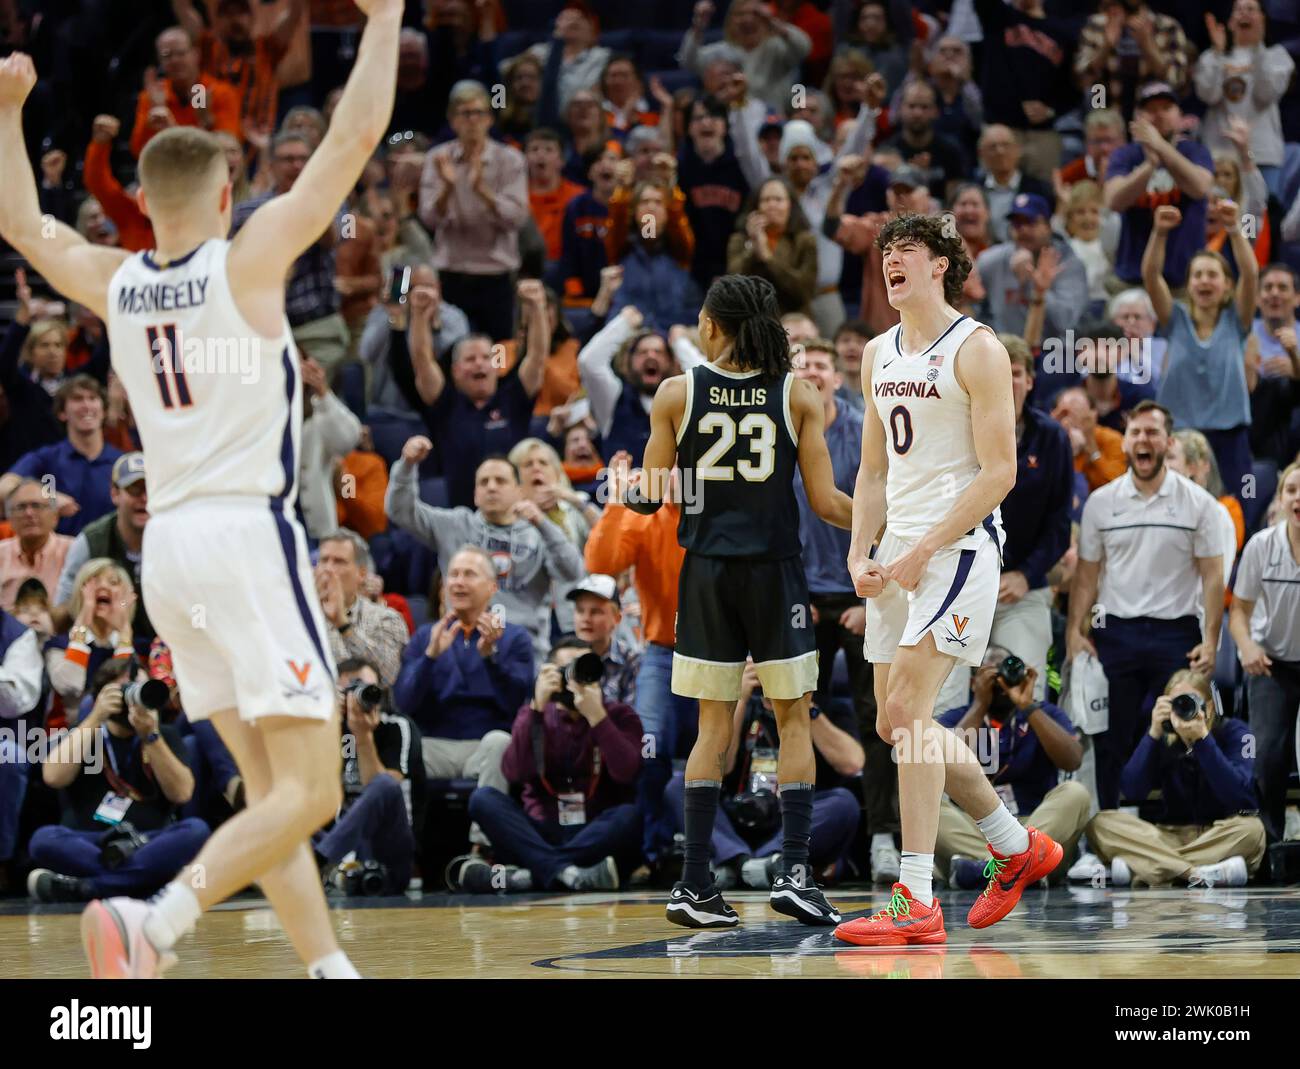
1074,933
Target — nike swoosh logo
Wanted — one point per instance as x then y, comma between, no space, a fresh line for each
886,364
1006,885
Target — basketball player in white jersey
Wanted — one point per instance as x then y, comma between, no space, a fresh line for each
938,457
201,343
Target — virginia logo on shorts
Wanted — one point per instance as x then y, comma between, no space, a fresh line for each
301,672
959,624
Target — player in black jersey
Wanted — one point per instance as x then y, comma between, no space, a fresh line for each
737,427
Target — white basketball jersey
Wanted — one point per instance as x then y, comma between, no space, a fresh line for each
217,405
928,433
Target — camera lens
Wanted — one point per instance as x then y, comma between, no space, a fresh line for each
368,695
587,669
1011,670
1186,706
149,693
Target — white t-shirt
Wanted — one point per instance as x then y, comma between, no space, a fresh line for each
1270,577
1148,546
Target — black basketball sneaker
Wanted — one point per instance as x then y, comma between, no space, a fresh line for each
805,904
700,909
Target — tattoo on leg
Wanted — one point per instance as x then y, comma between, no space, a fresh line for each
722,763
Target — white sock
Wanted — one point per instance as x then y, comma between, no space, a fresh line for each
881,839
916,873
335,966
568,875
174,913
1004,832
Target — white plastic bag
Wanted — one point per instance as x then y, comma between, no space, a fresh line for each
1087,695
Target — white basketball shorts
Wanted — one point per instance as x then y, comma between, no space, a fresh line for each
955,601
228,586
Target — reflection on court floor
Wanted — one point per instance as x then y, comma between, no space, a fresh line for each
1065,932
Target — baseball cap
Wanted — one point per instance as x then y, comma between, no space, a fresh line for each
1154,90
1029,206
603,586
908,176
128,469
772,124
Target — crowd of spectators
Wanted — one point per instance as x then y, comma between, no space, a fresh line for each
481,333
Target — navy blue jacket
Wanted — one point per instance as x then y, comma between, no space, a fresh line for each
460,694
1213,780
1036,513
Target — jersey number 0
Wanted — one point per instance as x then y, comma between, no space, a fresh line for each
761,432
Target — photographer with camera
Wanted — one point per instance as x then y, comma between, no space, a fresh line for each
1024,745
371,846
577,758
747,834
121,777
1209,832
597,611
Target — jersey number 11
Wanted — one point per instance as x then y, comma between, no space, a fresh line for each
165,354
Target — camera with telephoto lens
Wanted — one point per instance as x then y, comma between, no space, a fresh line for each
585,669
147,693
1187,706
1011,670
368,695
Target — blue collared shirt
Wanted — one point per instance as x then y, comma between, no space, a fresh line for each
88,481
826,548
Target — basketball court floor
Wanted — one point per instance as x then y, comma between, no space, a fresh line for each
1058,933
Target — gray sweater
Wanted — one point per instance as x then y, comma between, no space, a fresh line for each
528,558
1008,297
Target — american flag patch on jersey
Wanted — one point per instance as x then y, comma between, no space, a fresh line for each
936,360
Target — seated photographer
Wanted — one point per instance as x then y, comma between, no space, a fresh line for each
121,777
597,611
465,675
1209,832
747,834
577,758
1032,743
371,845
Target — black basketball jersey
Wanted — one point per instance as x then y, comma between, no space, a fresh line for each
738,452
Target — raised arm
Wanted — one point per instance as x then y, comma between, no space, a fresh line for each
73,266
1247,265
187,15
286,226
1153,262
828,502
666,414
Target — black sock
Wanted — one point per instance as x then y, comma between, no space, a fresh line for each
796,824
700,808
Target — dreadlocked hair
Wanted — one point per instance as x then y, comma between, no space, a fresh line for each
937,234
746,309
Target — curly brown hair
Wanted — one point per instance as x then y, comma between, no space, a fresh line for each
938,234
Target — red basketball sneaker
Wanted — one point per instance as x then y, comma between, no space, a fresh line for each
1009,876
904,922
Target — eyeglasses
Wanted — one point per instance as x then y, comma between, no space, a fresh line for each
473,113
400,136
30,506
